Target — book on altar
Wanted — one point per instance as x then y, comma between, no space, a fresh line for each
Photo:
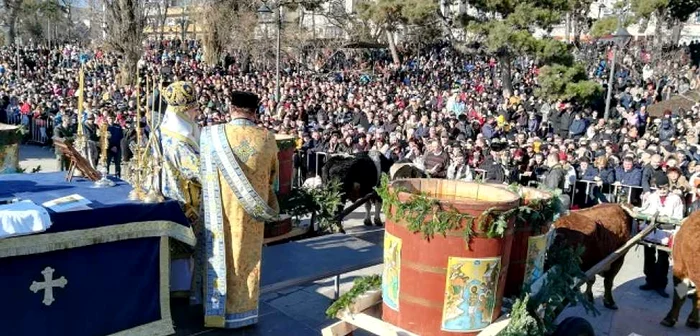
68,203
23,218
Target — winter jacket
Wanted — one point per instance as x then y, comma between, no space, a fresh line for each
488,131
577,128
632,177
555,121
649,175
532,125
555,178
666,131
494,171
565,122
606,175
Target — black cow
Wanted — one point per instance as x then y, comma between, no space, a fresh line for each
359,174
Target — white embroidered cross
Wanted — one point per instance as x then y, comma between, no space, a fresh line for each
48,285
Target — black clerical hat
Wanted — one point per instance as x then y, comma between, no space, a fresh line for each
498,146
245,100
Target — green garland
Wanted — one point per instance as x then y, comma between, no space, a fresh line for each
286,144
360,286
322,203
522,323
535,313
442,218
538,212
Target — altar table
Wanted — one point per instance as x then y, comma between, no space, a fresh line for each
103,271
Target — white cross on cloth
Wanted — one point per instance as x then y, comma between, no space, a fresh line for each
48,285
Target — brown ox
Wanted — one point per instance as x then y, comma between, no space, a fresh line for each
686,271
600,230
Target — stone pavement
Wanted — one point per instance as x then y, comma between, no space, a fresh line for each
640,312
307,304
31,156
304,306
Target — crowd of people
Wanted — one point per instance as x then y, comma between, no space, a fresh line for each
442,109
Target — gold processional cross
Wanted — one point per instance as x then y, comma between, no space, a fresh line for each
48,285
104,139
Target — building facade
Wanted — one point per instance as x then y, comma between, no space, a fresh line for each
172,18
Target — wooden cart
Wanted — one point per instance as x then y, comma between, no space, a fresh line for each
365,313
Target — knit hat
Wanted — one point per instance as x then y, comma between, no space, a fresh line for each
562,155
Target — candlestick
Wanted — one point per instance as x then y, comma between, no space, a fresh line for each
137,192
104,170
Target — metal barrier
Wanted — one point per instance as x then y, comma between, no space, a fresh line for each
625,193
13,118
618,191
318,164
40,130
480,174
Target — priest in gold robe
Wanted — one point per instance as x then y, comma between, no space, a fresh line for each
180,177
239,169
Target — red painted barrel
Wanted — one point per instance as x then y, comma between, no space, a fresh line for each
523,231
286,145
446,286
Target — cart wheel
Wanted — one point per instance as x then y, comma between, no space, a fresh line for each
574,326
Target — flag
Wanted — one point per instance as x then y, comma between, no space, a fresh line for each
81,97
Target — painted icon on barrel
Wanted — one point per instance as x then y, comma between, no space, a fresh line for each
534,264
470,293
392,271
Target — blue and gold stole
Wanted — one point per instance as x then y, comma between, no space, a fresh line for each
216,155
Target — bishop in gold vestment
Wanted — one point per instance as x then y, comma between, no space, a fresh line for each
180,179
239,167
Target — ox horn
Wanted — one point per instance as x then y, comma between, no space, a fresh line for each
629,211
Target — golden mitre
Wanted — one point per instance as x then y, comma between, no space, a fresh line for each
180,96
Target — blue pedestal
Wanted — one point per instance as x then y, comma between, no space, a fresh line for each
107,268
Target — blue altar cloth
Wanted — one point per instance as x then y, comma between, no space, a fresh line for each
110,206
113,260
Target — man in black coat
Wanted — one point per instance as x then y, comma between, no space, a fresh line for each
567,117
66,132
495,172
92,140
116,134
555,178
650,173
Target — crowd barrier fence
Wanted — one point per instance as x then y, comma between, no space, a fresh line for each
579,190
480,174
40,130
14,118
622,193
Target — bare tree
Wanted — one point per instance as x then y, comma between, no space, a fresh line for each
226,19
67,6
352,25
9,10
157,13
96,16
125,20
